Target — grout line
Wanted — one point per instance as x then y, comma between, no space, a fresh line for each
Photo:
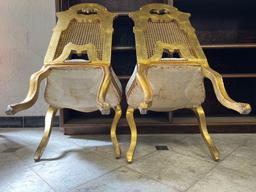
31,169
205,175
91,180
152,178
219,164
43,179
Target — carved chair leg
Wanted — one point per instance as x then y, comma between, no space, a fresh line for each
47,132
222,95
118,113
104,106
204,132
34,85
132,125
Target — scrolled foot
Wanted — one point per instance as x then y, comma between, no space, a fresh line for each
37,157
9,110
105,108
143,108
129,157
118,151
245,108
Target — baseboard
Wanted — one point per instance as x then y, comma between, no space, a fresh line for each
25,121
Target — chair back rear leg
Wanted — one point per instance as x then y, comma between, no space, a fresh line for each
47,132
204,132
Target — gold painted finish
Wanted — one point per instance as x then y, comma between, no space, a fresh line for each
47,132
84,29
31,98
133,129
204,132
161,28
117,149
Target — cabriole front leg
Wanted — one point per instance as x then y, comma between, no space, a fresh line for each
31,98
104,106
118,113
204,132
145,85
132,125
47,132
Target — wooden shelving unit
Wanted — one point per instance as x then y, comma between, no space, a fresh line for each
228,38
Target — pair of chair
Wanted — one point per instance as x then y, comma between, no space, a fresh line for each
168,76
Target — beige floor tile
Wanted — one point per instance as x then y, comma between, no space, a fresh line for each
15,177
243,159
145,145
194,145
221,179
124,180
73,169
170,168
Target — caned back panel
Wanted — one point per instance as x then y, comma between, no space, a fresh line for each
81,33
166,32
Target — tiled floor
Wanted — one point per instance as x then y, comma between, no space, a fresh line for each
87,163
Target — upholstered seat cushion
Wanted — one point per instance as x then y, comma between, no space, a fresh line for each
78,89
173,86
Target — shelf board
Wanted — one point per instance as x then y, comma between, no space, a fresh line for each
206,46
239,75
123,77
229,46
123,48
232,75
181,121
123,13
98,125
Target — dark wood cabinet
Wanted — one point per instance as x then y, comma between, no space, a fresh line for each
227,32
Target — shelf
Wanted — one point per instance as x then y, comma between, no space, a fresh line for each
208,46
123,13
239,75
161,125
123,48
123,77
229,46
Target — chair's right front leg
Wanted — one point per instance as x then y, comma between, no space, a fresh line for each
132,125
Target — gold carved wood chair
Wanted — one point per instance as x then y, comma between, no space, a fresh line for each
77,69
170,70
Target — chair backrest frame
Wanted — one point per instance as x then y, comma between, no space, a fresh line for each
164,13
86,12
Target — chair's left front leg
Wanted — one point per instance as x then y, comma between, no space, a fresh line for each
118,113
47,132
34,85
145,85
104,106
221,94
204,132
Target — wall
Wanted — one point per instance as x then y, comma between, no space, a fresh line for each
25,31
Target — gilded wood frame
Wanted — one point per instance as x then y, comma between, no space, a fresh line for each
63,62
140,19
165,13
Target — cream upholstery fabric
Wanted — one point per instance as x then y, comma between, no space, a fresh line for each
174,87
78,88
